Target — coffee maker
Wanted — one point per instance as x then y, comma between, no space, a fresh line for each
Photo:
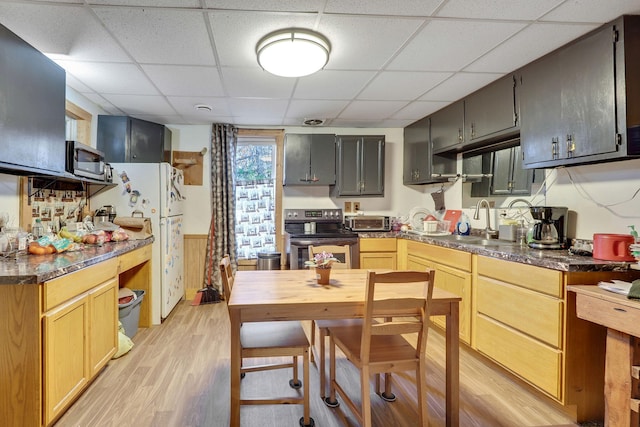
549,230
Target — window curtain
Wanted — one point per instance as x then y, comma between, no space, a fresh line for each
222,233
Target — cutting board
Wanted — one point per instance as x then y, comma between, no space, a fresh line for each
452,215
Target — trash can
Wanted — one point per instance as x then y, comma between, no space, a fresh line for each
129,314
269,261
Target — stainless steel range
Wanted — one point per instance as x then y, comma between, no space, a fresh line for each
304,227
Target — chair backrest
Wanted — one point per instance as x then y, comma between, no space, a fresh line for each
392,297
227,276
335,250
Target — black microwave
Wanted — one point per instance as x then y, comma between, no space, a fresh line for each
85,161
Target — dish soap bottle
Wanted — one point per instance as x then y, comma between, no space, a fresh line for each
463,226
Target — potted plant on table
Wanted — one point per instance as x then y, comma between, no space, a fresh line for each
322,262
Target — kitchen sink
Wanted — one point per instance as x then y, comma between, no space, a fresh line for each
474,240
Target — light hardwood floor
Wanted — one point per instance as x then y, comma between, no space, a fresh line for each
177,374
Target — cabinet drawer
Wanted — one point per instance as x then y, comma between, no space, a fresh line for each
378,245
608,313
527,276
530,312
451,257
131,259
530,359
70,285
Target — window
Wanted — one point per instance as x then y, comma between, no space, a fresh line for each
258,197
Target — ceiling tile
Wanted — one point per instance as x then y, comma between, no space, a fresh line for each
372,110
365,43
528,45
269,108
383,7
265,5
401,85
419,109
110,78
186,104
597,11
141,104
150,3
301,110
450,45
71,31
329,84
185,80
143,33
459,85
497,9
256,83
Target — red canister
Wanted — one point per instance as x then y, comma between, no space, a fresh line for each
612,247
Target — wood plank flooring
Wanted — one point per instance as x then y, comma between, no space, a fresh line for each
177,374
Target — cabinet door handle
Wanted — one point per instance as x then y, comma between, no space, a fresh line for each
460,137
622,310
571,145
554,147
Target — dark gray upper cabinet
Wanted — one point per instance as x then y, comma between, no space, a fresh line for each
505,174
491,112
420,166
509,177
32,109
360,166
309,159
447,128
126,139
580,104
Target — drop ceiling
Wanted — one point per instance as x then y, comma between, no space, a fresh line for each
392,62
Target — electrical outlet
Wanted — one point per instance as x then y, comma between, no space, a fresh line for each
356,206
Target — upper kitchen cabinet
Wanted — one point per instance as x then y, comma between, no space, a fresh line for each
309,159
447,128
129,140
32,109
491,112
360,166
581,103
420,166
509,177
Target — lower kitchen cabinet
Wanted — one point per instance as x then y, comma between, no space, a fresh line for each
525,320
57,335
378,253
80,334
453,274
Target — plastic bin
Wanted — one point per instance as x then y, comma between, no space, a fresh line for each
268,261
129,314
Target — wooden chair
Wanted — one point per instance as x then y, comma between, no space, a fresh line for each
377,346
324,325
273,339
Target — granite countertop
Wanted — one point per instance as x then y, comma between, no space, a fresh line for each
29,269
560,259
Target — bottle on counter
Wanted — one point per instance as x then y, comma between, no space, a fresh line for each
463,227
37,230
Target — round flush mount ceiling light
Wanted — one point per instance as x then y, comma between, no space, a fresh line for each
203,107
293,52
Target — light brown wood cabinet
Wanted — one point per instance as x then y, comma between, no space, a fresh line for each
80,334
525,320
453,274
57,335
378,253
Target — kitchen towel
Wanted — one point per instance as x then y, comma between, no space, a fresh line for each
634,290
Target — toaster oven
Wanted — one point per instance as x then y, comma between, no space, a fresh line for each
367,223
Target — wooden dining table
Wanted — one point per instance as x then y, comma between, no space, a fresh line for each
268,295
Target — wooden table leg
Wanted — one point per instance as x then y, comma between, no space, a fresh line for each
236,357
453,367
617,379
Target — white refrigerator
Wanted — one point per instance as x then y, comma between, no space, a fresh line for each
156,190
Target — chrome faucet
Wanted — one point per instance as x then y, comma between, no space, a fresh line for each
514,201
488,231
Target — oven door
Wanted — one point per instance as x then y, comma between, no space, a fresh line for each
299,249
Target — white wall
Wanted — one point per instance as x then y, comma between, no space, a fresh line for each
198,204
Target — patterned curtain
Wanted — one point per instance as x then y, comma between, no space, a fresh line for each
222,233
